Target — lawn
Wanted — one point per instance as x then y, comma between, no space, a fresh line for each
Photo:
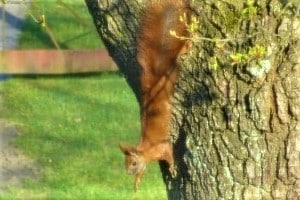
71,125
67,20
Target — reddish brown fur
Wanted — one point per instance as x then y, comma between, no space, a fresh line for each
157,54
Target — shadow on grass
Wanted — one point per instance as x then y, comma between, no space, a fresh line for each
59,76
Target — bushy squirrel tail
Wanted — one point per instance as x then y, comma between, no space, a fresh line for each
157,48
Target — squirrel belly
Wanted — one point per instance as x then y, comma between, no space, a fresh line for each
157,53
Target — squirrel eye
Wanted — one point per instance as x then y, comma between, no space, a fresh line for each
134,163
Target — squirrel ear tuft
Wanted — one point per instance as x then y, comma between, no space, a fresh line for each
128,150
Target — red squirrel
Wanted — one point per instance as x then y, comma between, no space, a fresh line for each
157,52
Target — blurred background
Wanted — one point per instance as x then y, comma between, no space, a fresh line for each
64,108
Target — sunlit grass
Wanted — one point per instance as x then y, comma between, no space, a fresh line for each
69,21
71,126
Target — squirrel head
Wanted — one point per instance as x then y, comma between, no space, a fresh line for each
134,161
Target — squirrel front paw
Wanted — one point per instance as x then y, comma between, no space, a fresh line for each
137,180
136,185
135,188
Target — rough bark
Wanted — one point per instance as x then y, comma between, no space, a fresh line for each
235,125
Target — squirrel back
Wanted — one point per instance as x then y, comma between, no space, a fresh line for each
157,52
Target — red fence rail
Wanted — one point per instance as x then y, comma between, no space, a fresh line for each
55,61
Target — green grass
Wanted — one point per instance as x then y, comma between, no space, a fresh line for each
71,125
68,20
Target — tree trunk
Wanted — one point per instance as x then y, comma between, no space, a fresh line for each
116,22
236,108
